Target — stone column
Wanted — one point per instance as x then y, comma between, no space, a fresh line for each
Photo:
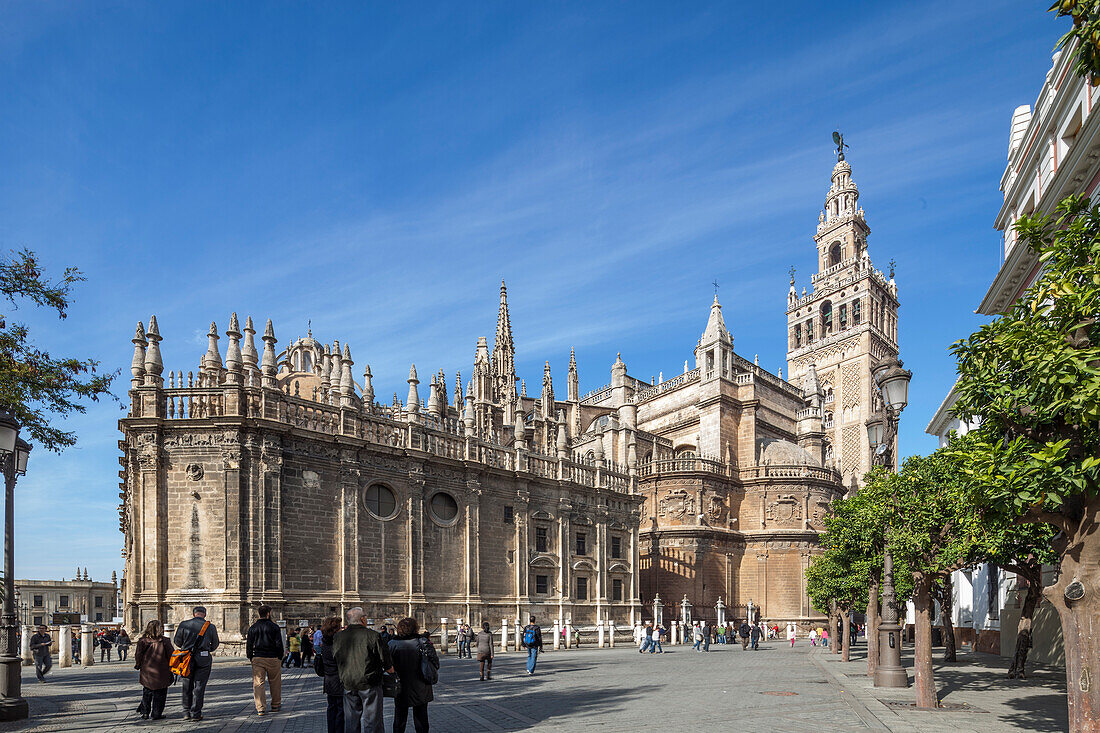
611,632
504,635
599,634
673,633
568,632
282,634
25,645
87,651
443,635
65,646
557,634
518,639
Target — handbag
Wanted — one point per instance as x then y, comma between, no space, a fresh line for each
428,672
391,685
180,663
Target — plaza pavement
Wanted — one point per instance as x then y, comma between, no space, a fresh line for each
775,689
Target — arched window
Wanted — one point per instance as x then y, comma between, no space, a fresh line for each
834,254
826,318
855,312
307,366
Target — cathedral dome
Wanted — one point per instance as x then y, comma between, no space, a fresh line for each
783,453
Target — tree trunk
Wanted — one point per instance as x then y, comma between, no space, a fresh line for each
872,626
923,680
946,601
1027,615
1081,619
834,640
846,619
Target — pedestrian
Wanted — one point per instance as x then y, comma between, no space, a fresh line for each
361,658
813,637
707,630
825,637
40,649
122,643
532,642
264,649
755,634
200,637
384,632
317,635
151,657
411,651
744,632
294,649
485,651
697,631
655,647
464,641
647,639
307,646
325,666
106,645
790,634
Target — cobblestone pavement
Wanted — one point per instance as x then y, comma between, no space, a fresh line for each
976,694
776,689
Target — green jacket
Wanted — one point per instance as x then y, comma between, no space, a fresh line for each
361,657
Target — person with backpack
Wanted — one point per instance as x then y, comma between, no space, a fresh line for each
122,643
417,665
151,660
532,642
485,651
361,658
744,632
325,666
264,649
198,638
755,634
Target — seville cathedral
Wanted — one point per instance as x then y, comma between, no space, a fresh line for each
275,475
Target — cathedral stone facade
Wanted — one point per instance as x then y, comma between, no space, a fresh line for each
278,477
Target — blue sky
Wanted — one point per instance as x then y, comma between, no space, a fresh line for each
379,169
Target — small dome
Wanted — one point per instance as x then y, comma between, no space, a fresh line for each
783,453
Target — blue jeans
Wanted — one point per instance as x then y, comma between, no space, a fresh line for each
706,644
656,647
532,657
463,648
697,643
645,644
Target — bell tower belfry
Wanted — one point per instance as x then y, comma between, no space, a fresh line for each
846,323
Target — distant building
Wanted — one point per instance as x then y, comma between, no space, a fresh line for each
1053,152
38,600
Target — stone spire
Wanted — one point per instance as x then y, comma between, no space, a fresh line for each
442,382
563,441
468,412
520,429
368,388
504,352
716,326
547,391
248,351
458,391
326,369
212,361
153,364
347,384
267,366
337,366
413,405
434,408
573,381
811,387
137,366
233,358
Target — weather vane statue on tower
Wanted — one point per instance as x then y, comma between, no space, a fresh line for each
838,138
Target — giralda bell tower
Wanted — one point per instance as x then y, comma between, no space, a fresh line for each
847,322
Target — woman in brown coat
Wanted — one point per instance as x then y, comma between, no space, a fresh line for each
151,657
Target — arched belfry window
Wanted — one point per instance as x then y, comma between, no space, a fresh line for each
826,318
835,253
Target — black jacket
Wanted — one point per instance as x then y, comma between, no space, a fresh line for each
186,635
538,637
406,662
264,640
325,665
744,631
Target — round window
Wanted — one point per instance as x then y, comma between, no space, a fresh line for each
444,507
381,501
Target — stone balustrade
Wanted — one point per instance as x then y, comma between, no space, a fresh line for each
714,466
668,385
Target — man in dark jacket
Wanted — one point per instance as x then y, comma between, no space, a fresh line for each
361,658
264,648
532,642
187,637
40,650
743,632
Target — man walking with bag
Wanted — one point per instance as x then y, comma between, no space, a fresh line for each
200,638
264,648
361,658
532,642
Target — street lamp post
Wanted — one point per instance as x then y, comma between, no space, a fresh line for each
13,453
882,431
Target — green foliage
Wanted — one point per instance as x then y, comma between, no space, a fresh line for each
835,577
1086,31
34,386
1032,378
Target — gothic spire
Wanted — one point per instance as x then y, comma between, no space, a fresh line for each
137,366
504,323
248,351
413,405
267,366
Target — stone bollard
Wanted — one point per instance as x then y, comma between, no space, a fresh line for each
568,633
599,634
611,632
87,650
282,635
518,638
65,646
25,646
443,635
169,630
557,634
504,634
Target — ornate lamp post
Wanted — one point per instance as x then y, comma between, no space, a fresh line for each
882,431
658,607
13,457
